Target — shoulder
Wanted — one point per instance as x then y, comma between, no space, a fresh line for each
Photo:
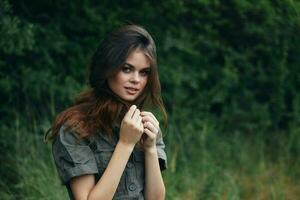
72,155
69,136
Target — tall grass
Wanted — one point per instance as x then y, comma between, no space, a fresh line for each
212,165
202,164
32,164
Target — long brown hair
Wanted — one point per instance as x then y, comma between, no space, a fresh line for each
98,108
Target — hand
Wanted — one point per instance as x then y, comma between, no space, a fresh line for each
151,130
131,127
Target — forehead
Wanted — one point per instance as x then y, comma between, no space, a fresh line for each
138,59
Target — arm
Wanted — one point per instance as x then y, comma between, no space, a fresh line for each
84,187
154,185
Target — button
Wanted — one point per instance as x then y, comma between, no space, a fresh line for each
132,187
93,146
129,165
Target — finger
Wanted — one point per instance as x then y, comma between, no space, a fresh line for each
150,119
139,120
151,127
145,113
130,112
141,125
136,115
150,134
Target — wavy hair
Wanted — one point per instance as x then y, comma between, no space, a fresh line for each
98,109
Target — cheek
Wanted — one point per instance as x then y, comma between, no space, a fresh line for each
116,80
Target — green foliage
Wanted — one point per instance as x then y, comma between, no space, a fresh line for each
230,77
16,34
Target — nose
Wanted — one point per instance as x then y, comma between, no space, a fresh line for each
135,78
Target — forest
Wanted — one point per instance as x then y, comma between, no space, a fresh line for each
230,76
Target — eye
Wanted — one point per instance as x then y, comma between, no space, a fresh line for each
126,69
145,73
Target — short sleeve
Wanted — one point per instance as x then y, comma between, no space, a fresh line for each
162,156
72,155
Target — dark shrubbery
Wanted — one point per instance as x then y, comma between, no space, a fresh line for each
232,65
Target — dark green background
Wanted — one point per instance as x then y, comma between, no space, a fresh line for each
230,75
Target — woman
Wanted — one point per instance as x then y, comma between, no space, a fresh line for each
108,146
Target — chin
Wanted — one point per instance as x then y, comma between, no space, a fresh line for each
129,98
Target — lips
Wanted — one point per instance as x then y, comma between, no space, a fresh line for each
131,90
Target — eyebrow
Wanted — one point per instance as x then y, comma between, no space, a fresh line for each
132,66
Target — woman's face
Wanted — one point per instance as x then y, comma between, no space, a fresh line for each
129,82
